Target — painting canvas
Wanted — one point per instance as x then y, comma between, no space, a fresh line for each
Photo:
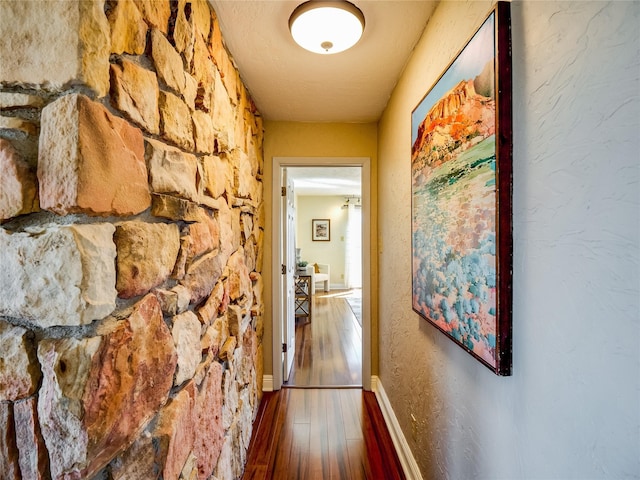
461,197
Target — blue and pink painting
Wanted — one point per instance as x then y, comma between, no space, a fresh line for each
453,167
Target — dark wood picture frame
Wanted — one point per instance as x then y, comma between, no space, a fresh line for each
321,230
461,190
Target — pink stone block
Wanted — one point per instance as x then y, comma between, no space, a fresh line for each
99,393
33,455
9,467
210,432
176,431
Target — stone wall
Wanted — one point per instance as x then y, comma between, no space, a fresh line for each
132,219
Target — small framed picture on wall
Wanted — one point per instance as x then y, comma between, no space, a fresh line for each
321,230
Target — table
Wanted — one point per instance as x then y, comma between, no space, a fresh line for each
303,299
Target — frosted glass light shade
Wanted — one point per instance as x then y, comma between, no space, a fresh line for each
326,27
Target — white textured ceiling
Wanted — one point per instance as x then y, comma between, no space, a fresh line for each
288,83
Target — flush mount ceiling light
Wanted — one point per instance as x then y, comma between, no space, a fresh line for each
326,27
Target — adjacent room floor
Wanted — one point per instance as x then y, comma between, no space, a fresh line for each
329,346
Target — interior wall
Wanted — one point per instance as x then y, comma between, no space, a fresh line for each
131,226
293,139
311,207
570,410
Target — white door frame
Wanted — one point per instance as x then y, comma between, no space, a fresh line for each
276,248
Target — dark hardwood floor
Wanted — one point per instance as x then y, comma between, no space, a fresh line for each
321,434
329,347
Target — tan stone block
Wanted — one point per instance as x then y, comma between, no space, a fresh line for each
209,311
128,28
9,455
75,34
180,268
147,253
137,462
175,433
186,338
33,455
190,469
18,194
176,125
223,116
258,291
156,13
173,208
240,285
172,171
215,43
98,393
64,275
246,372
218,175
184,33
201,15
250,254
90,161
226,352
16,123
204,237
202,276
19,370
231,399
259,369
204,134
205,96
12,101
246,224
210,432
190,91
134,91
260,255
167,61
239,320
173,301
230,236
202,61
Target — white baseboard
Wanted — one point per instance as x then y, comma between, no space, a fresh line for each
267,383
408,462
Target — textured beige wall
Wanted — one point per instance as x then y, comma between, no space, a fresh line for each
570,410
291,139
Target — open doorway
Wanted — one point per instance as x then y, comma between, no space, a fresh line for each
328,251
338,278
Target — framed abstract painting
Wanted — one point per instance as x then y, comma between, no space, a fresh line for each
461,183
321,230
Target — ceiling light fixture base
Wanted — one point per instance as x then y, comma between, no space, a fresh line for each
326,27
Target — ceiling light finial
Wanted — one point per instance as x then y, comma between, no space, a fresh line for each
326,27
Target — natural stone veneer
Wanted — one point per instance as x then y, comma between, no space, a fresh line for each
90,161
62,275
98,393
131,342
